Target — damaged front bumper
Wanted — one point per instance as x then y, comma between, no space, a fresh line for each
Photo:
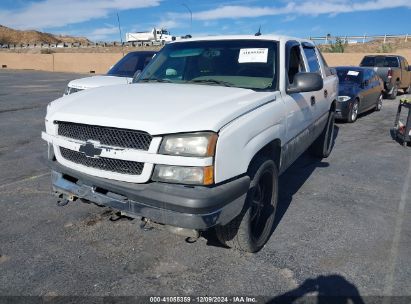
192,207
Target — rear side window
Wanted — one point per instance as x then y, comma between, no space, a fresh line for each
312,59
368,61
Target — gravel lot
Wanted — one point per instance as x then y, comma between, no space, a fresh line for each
343,226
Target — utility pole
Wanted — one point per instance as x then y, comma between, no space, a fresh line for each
191,16
121,36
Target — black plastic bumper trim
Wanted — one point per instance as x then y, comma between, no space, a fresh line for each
178,205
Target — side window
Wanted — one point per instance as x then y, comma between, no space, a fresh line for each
147,60
130,65
295,63
312,59
327,69
406,63
144,61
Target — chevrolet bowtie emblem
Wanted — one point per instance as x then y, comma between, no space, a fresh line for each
90,150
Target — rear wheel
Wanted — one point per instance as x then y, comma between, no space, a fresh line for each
378,106
252,228
394,92
323,145
353,114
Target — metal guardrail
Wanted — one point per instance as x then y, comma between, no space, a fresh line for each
79,45
364,38
326,39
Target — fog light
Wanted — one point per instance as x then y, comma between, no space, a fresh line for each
184,175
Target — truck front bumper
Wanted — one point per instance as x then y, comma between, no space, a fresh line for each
192,207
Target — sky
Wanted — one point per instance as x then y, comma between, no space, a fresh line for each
97,19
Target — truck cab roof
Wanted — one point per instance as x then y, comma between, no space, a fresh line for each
245,37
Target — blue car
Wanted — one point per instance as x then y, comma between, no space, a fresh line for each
360,90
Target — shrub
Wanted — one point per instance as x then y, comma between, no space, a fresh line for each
338,46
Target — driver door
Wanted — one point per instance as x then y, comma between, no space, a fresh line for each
299,106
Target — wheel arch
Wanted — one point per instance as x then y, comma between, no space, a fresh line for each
333,105
272,150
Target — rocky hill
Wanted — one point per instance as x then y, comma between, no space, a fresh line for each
12,36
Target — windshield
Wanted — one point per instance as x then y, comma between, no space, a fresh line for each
346,75
130,63
380,61
235,63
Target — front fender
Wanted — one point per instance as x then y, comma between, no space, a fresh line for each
240,140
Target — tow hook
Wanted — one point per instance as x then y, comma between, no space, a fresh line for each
63,199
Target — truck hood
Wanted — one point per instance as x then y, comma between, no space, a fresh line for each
98,81
158,108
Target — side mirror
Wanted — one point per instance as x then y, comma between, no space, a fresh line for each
171,72
306,82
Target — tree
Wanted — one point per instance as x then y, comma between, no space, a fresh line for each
338,46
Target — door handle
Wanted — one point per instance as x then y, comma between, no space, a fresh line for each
325,93
312,100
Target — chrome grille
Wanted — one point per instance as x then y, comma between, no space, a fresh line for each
103,163
106,135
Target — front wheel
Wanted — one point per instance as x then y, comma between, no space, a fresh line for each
323,145
353,114
378,106
250,230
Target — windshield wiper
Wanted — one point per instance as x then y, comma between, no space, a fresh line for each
153,80
212,81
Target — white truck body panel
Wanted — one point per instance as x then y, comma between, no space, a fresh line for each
172,108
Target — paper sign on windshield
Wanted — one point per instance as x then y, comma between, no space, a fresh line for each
253,55
353,73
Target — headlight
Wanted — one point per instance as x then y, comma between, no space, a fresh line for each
343,98
194,144
184,175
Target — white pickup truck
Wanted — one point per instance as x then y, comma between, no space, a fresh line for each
200,140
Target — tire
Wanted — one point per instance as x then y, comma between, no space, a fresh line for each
353,114
394,93
250,230
378,106
323,145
